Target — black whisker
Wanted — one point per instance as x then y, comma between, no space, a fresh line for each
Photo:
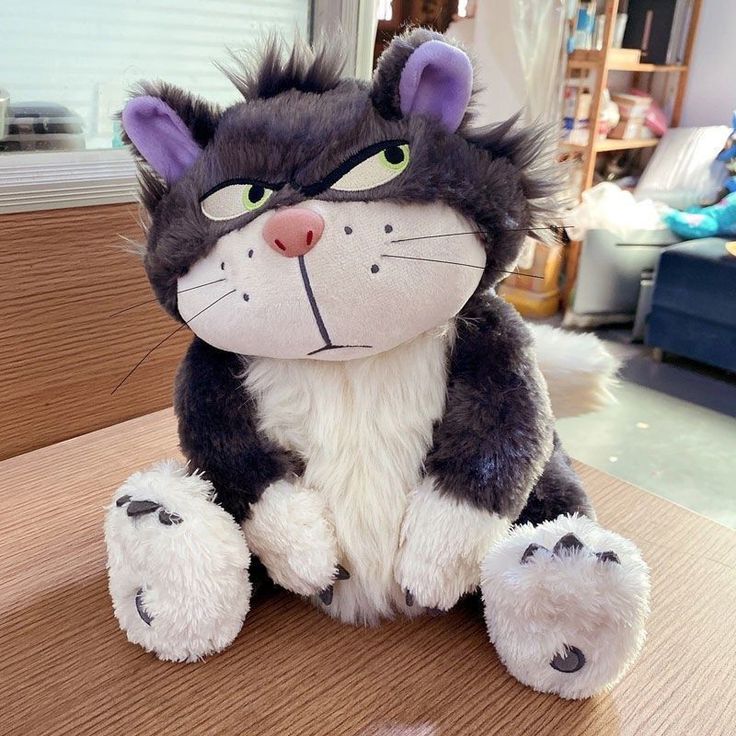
480,232
457,263
192,288
155,299
134,306
170,335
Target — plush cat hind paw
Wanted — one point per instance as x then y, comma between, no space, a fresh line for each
177,563
565,605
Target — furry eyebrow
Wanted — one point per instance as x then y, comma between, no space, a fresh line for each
310,190
242,180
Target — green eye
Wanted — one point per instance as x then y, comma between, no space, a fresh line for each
395,158
375,169
234,200
255,196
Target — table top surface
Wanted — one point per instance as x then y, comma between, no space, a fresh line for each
68,669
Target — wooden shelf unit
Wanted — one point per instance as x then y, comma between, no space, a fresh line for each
622,66
600,63
613,144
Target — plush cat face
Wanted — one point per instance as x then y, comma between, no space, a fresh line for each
326,218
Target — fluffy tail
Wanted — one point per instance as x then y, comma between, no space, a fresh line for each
579,371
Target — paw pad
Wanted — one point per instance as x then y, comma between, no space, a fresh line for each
141,508
568,543
167,518
328,593
144,507
570,661
145,616
608,556
530,550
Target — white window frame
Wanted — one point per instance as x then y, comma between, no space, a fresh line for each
57,180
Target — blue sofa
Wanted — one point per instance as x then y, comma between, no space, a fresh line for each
694,303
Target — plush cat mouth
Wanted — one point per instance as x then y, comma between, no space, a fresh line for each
318,316
327,347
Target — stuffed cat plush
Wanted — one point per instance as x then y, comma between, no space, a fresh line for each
360,412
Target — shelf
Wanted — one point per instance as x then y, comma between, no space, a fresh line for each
647,68
612,144
624,66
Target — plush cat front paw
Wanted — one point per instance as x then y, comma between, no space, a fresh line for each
565,604
177,563
289,531
443,541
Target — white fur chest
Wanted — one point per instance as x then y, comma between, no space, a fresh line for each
363,428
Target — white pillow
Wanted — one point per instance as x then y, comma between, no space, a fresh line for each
683,171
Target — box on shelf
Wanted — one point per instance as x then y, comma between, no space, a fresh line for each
534,290
628,129
632,106
576,112
633,109
627,57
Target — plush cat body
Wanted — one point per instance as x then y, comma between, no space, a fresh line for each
369,419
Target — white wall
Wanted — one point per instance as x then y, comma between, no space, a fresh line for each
499,72
711,91
516,44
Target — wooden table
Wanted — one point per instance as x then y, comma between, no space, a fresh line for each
67,668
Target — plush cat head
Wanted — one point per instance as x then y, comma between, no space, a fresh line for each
329,218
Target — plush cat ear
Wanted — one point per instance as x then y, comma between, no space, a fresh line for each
421,74
168,128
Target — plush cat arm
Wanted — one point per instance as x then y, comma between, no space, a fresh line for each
497,432
218,430
285,523
488,450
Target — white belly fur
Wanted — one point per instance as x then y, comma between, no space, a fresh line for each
363,428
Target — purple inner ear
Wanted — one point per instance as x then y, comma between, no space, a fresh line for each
160,136
437,81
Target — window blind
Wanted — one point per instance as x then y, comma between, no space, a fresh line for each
85,54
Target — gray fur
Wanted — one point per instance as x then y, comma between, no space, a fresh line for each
199,116
298,123
558,491
217,430
305,69
494,439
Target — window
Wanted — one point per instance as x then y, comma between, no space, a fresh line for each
67,66
66,69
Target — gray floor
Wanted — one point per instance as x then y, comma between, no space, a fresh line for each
672,432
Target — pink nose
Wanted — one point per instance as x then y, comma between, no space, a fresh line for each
294,231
